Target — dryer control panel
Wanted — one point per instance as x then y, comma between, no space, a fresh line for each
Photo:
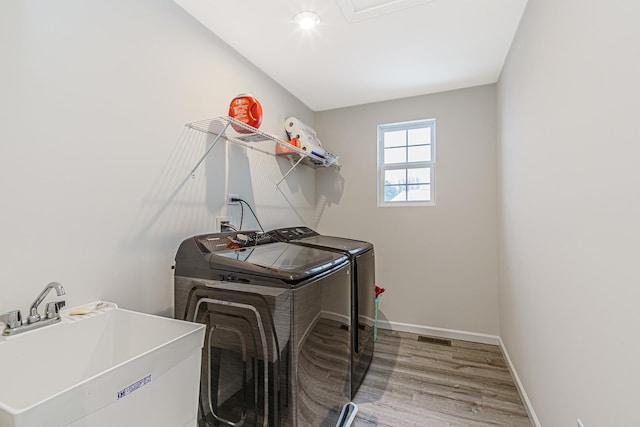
292,233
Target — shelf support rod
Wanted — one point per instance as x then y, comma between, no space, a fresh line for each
289,171
218,136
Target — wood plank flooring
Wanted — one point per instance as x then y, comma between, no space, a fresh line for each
413,383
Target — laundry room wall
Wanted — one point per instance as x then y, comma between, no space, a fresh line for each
438,263
95,159
570,202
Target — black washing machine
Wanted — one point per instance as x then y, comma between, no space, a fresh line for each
277,346
362,259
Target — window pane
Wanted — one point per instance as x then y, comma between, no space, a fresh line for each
395,193
420,153
419,193
420,136
406,162
395,176
395,155
395,139
419,176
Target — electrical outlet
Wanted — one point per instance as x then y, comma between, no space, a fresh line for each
221,220
232,196
580,423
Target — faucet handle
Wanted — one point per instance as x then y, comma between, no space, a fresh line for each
12,319
52,309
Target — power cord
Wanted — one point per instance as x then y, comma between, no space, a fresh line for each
237,199
241,215
228,227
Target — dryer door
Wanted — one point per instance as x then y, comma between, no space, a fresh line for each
322,345
363,318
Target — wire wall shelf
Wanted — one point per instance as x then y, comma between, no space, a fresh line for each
242,134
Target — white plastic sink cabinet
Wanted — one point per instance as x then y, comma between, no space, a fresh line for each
112,367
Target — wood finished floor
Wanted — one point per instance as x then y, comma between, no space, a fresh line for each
412,383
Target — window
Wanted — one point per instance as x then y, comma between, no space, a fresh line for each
406,163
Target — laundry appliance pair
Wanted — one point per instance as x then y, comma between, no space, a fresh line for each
281,342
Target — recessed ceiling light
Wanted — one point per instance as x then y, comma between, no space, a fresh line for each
306,20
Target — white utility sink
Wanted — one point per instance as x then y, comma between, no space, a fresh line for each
110,367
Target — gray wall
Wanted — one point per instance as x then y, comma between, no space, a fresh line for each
94,158
569,100
438,263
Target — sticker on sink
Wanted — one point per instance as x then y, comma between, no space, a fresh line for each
133,387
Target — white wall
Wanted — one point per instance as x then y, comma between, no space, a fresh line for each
569,99
438,263
94,156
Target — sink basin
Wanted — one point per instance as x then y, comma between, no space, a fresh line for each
104,368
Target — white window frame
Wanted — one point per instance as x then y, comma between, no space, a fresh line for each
415,124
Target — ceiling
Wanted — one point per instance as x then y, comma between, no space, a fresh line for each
367,50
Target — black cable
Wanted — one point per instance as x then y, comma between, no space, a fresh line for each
251,209
241,216
231,227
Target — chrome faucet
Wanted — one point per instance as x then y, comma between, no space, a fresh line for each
13,319
34,316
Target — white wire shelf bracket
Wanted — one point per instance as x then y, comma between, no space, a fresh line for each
247,136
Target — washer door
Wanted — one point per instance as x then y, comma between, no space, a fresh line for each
242,381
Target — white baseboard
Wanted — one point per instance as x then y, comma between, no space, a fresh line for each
523,394
440,332
467,336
